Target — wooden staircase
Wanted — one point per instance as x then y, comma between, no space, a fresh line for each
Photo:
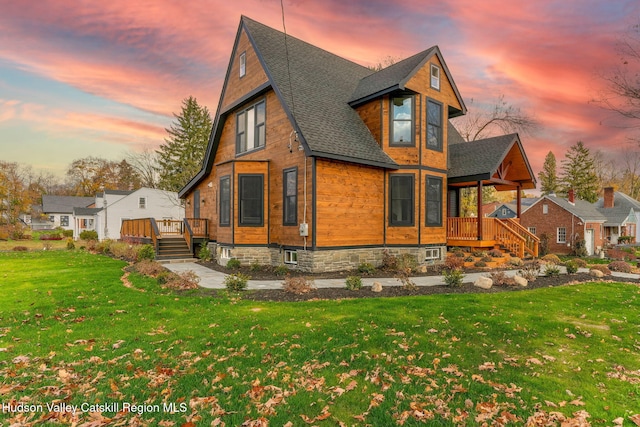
173,248
505,233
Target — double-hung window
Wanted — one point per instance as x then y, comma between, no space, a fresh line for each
434,201
64,220
142,202
561,235
251,203
225,201
434,125
401,201
402,118
435,77
250,128
290,197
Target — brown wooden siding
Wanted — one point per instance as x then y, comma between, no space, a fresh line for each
349,203
255,76
370,113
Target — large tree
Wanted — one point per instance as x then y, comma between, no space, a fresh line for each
579,173
180,157
145,164
90,175
14,195
548,175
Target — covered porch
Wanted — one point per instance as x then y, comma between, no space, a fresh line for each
170,238
501,163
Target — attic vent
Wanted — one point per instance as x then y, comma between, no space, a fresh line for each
435,77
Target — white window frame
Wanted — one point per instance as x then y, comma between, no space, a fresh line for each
532,230
545,209
290,257
64,220
435,77
243,64
558,233
142,202
225,253
432,254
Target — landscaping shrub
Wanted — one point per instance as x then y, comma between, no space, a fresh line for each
145,252
530,270
478,254
366,268
580,248
469,259
602,268
486,258
580,262
453,262
389,261
459,254
625,239
119,250
353,283
495,253
89,235
620,266
204,253
281,270
500,278
514,260
51,236
68,233
20,249
183,281
453,277
552,258
572,267
165,276
543,247
551,270
255,267
233,264
236,282
480,264
104,246
407,262
149,268
70,244
297,285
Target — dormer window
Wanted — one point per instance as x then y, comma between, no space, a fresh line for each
243,64
402,121
435,77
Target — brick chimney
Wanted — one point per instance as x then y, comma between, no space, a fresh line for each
608,197
571,196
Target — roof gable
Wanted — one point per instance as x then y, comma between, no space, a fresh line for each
582,209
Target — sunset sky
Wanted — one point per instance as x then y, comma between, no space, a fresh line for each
88,78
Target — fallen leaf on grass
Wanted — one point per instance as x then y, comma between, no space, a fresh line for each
635,419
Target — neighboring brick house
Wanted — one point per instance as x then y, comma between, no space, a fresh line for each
622,213
564,222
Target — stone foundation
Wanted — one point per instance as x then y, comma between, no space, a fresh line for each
323,260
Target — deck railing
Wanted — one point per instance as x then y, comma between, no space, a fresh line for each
508,233
152,229
199,226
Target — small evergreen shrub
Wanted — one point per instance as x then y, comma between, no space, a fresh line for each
486,258
495,253
551,270
620,266
453,277
70,244
204,253
255,267
297,285
478,254
67,233
236,282
480,264
89,235
459,254
233,264
145,252
353,283
469,259
571,266
552,258
366,268
281,270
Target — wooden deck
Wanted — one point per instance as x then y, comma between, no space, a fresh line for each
153,231
493,232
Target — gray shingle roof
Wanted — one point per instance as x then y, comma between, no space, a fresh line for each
317,95
478,158
86,211
64,204
622,206
582,209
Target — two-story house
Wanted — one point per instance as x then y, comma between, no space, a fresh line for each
322,163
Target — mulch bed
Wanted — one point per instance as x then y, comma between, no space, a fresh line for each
391,291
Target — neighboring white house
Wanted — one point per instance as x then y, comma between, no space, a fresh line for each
111,207
58,211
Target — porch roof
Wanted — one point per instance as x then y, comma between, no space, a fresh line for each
499,161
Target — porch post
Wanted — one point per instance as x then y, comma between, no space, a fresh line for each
519,200
479,210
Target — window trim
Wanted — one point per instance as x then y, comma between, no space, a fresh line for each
64,220
392,142
532,230
244,114
426,198
391,221
435,254
142,203
242,65
294,221
545,209
242,222
558,235
440,146
439,78
290,257
223,208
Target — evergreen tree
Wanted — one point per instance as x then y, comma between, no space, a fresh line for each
579,173
180,157
548,176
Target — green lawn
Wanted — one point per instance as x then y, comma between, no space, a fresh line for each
71,332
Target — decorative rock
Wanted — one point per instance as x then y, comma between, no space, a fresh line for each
520,281
483,282
596,273
376,287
